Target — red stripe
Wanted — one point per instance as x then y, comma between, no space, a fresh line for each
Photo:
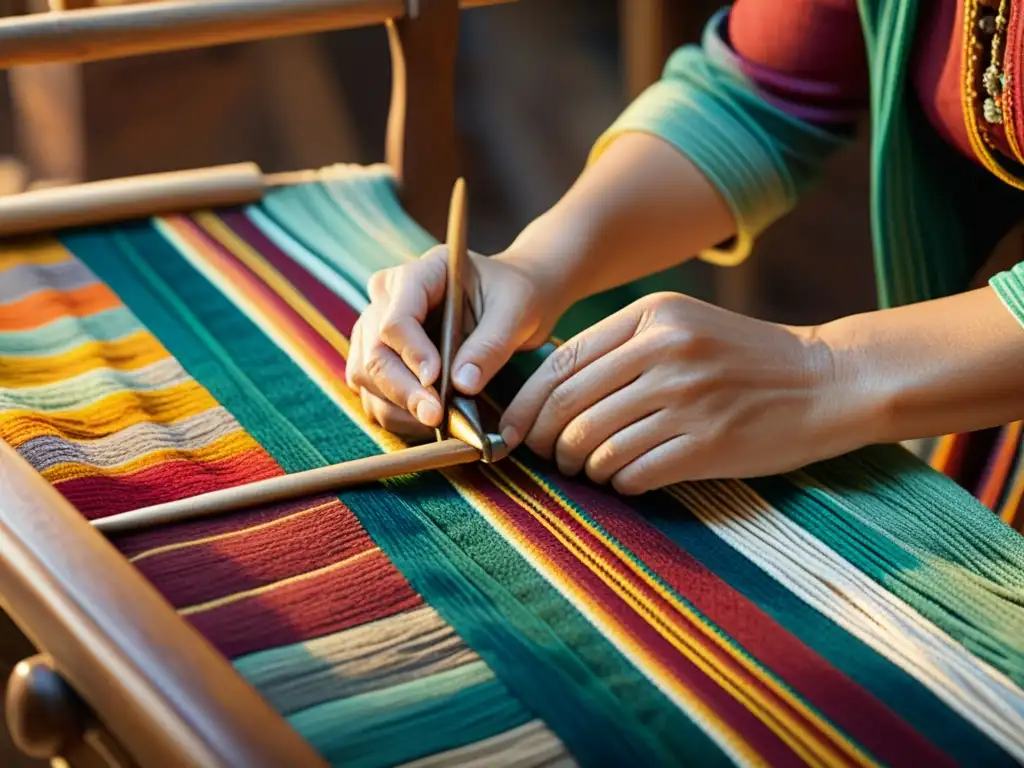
104,495
654,645
337,312
367,590
133,543
853,710
235,270
256,558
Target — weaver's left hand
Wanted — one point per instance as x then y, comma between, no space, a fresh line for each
672,389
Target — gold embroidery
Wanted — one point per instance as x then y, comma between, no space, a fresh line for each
994,107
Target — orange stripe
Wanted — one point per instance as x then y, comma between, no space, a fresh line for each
1006,452
49,305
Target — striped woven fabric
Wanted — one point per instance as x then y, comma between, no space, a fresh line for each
865,611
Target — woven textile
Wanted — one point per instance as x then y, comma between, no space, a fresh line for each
865,611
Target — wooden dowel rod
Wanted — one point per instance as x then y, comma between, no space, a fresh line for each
447,453
101,202
92,34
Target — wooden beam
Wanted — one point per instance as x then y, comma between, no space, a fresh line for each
421,140
93,34
165,693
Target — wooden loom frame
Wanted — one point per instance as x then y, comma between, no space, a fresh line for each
121,679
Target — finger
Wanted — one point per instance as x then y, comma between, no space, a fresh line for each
386,376
607,375
498,334
394,419
598,423
353,362
414,290
368,410
561,365
668,463
628,444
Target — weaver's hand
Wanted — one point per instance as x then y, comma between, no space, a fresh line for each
671,389
394,365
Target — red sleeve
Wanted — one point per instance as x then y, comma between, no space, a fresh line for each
810,54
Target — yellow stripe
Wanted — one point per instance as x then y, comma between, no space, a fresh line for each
128,354
274,279
609,626
228,599
232,534
109,415
35,252
225,447
785,694
777,719
347,400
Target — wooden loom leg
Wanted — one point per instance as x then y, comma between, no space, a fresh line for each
49,114
421,138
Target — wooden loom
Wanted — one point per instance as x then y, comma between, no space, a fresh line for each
121,679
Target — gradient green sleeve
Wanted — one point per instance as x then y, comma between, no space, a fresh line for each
1010,287
758,157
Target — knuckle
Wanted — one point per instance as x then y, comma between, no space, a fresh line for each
565,361
378,283
575,438
562,401
394,328
375,361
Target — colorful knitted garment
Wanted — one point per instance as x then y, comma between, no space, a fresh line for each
865,611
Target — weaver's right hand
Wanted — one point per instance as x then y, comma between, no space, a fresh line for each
394,365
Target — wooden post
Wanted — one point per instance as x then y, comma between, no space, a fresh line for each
421,140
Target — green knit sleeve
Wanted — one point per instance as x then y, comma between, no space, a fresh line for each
757,156
1010,287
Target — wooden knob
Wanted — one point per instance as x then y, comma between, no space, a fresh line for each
44,715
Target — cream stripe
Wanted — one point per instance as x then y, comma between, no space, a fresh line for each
133,443
531,745
373,656
92,386
827,582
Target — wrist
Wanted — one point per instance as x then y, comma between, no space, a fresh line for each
554,255
865,394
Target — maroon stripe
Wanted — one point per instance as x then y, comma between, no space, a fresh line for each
132,544
336,311
257,558
738,717
849,707
103,495
323,351
366,590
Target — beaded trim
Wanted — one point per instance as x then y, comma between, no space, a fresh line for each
990,119
1013,92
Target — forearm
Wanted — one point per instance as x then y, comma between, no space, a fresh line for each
939,367
640,208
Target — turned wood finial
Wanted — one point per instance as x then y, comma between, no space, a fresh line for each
44,715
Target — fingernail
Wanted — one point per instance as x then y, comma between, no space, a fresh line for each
510,436
467,378
428,412
424,374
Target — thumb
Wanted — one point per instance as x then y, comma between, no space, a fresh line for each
499,334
